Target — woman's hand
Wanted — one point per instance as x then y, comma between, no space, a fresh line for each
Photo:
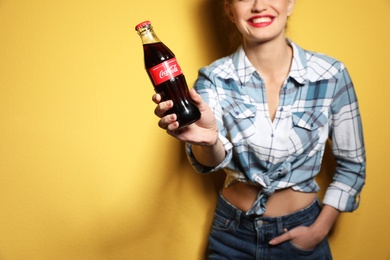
307,238
304,238
202,132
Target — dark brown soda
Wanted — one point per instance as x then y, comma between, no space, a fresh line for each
175,89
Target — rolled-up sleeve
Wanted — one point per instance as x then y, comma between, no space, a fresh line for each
348,147
204,169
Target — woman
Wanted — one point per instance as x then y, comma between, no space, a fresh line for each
267,112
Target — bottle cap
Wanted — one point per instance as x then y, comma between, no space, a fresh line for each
143,24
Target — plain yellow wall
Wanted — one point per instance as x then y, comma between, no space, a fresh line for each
85,173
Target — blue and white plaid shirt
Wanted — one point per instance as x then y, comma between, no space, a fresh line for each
317,103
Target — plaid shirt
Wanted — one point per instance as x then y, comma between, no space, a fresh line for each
317,103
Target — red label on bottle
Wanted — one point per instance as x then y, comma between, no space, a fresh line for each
165,71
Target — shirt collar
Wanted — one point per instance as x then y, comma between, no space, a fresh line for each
298,69
245,69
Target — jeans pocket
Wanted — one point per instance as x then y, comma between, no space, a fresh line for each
221,222
320,252
300,250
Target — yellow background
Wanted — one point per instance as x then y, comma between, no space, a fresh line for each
85,173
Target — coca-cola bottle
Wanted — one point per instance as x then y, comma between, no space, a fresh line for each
166,75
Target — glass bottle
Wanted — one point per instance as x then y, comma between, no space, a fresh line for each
166,75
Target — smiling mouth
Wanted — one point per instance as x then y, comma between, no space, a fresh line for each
260,20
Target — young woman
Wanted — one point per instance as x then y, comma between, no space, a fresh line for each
267,112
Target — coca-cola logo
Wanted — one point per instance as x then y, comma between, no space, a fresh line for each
165,71
169,71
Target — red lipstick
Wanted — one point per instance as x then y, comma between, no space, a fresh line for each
261,20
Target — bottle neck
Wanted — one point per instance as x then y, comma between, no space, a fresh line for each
148,35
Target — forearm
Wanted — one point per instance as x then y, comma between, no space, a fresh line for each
325,221
209,155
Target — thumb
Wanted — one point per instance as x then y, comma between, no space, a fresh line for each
195,97
198,100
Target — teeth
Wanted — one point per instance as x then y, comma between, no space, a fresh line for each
262,20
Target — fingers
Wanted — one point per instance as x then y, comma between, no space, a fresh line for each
302,237
282,238
156,98
169,122
162,108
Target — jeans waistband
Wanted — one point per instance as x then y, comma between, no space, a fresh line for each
250,221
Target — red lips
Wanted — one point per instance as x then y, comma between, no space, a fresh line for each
261,20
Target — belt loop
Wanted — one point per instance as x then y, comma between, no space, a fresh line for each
279,226
238,217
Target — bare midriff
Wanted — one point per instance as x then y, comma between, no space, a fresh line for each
280,203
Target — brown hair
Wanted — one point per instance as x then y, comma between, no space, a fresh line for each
229,32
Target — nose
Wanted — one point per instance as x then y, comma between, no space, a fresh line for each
259,6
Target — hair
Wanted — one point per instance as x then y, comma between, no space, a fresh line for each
228,32
225,31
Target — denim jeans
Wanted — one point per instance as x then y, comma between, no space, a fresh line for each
237,236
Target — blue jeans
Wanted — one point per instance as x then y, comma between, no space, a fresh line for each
237,236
